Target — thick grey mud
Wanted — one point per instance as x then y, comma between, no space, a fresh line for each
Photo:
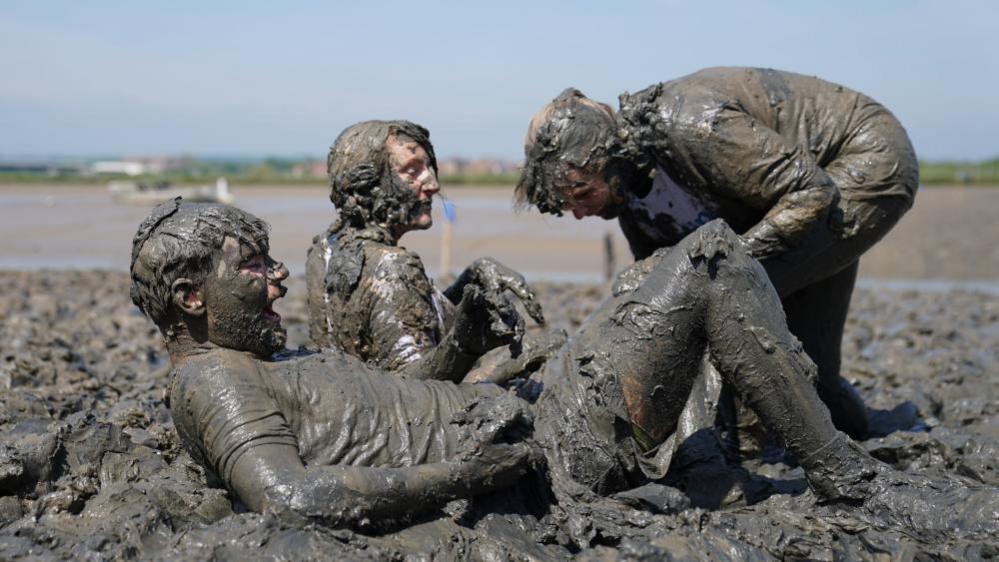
91,466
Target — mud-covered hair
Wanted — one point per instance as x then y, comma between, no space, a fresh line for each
180,239
572,131
362,186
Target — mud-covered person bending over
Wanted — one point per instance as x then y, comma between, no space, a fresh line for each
811,173
324,437
372,298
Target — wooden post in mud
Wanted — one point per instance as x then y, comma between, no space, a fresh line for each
609,265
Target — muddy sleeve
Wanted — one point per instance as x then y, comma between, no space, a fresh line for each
233,414
738,157
272,479
401,318
405,326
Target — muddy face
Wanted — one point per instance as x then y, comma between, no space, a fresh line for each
411,165
379,185
571,135
587,194
239,295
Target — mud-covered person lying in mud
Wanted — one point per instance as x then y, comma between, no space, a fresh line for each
325,437
810,173
372,298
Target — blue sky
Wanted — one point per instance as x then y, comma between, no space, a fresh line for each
268,78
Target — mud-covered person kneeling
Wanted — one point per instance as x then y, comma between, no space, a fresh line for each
324,437
372,298
810,173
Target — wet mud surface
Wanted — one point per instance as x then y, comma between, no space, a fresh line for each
91,467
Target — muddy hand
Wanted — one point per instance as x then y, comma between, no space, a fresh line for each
496,418
498,451
495,277
486,321
764,240
501,366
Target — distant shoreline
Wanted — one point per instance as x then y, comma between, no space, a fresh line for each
276,171
950,233
446,181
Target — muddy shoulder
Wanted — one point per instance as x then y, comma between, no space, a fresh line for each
91,466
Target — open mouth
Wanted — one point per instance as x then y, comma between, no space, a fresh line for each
269,314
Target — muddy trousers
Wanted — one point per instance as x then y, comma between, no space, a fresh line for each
708,293
816,281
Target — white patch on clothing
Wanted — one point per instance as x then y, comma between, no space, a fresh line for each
327,254
667,197
435,300
406,349
381,287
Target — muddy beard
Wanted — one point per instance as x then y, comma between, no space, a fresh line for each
241,322
246,331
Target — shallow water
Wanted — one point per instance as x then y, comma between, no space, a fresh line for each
950,239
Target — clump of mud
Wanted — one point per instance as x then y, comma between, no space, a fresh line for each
91,468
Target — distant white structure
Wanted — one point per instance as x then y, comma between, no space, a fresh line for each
222,191
127,167
138,193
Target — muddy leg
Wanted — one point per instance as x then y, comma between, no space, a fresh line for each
816,315
652,339
708,291
752,347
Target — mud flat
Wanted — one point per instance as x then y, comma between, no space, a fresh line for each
91,468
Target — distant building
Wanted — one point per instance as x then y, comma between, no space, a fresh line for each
309,169
47,168
451,166
481,166
125,167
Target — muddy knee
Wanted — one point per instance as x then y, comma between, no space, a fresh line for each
713,241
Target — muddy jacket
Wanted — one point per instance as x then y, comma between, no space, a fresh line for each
378,303
756,147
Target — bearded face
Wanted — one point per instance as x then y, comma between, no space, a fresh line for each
239,295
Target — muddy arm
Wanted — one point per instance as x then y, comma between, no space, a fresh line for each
272,478
404,330
245,438
741,158
500,365
446,361
480,324
495,453
410,329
